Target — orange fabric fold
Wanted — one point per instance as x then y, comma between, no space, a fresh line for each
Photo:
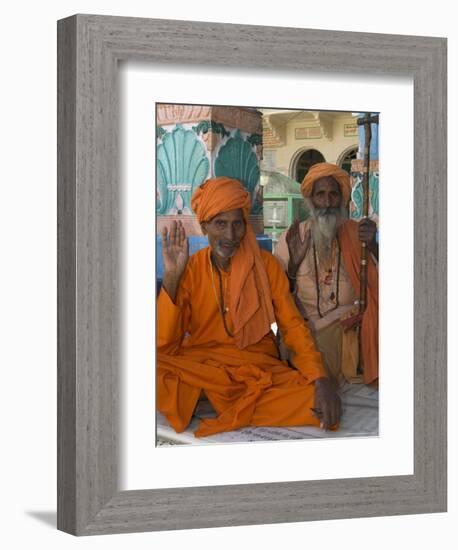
236,385
323,169
351,246
250,296
246,387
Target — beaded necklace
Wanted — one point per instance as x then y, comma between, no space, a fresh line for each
220,303
317,281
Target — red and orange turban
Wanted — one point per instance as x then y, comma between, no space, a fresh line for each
323,169
250,297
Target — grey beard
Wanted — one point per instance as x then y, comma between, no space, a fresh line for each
324,225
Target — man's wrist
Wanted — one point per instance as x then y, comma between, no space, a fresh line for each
170,283
291,271
321,380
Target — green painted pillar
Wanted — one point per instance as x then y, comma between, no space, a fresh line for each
356,203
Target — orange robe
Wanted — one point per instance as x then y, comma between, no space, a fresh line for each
349,290
351,253
246,387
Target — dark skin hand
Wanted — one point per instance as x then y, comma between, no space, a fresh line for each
366,233
328,406
175,254
297,247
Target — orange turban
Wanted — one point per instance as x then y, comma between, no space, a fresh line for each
220,195
323,169
250,297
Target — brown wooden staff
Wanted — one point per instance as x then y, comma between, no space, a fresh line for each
356,320
365,121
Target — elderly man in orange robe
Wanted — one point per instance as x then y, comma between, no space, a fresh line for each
215,311
321,257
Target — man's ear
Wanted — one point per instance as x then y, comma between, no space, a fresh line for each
203,227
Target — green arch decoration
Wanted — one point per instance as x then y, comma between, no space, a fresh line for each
216,127
236,159
255,139
160,132
357,195
182,165
373,186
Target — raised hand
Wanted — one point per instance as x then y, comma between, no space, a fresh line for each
175,254
297,247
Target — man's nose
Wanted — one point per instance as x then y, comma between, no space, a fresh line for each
327,201
230,233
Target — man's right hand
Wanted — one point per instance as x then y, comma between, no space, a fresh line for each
297,247
328,405
175,254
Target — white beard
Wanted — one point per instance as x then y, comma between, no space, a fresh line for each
324,225
327,225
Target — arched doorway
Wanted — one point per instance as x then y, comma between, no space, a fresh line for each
347,156
305,161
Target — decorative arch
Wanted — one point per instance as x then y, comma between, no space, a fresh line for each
182,165
346,156
302,160
236,159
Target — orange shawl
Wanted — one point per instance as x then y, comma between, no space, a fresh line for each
250,296
351,246
323,169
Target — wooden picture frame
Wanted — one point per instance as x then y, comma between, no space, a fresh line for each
89,49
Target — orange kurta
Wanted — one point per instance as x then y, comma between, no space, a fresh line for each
249,386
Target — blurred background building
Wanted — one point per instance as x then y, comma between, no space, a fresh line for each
295,140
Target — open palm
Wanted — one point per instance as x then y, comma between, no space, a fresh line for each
296,246
175,249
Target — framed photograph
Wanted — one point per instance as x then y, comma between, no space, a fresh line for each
139,84
93,316
195,143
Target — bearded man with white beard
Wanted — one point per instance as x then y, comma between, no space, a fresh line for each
321,257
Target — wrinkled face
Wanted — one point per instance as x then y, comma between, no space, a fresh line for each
326,193
225,232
